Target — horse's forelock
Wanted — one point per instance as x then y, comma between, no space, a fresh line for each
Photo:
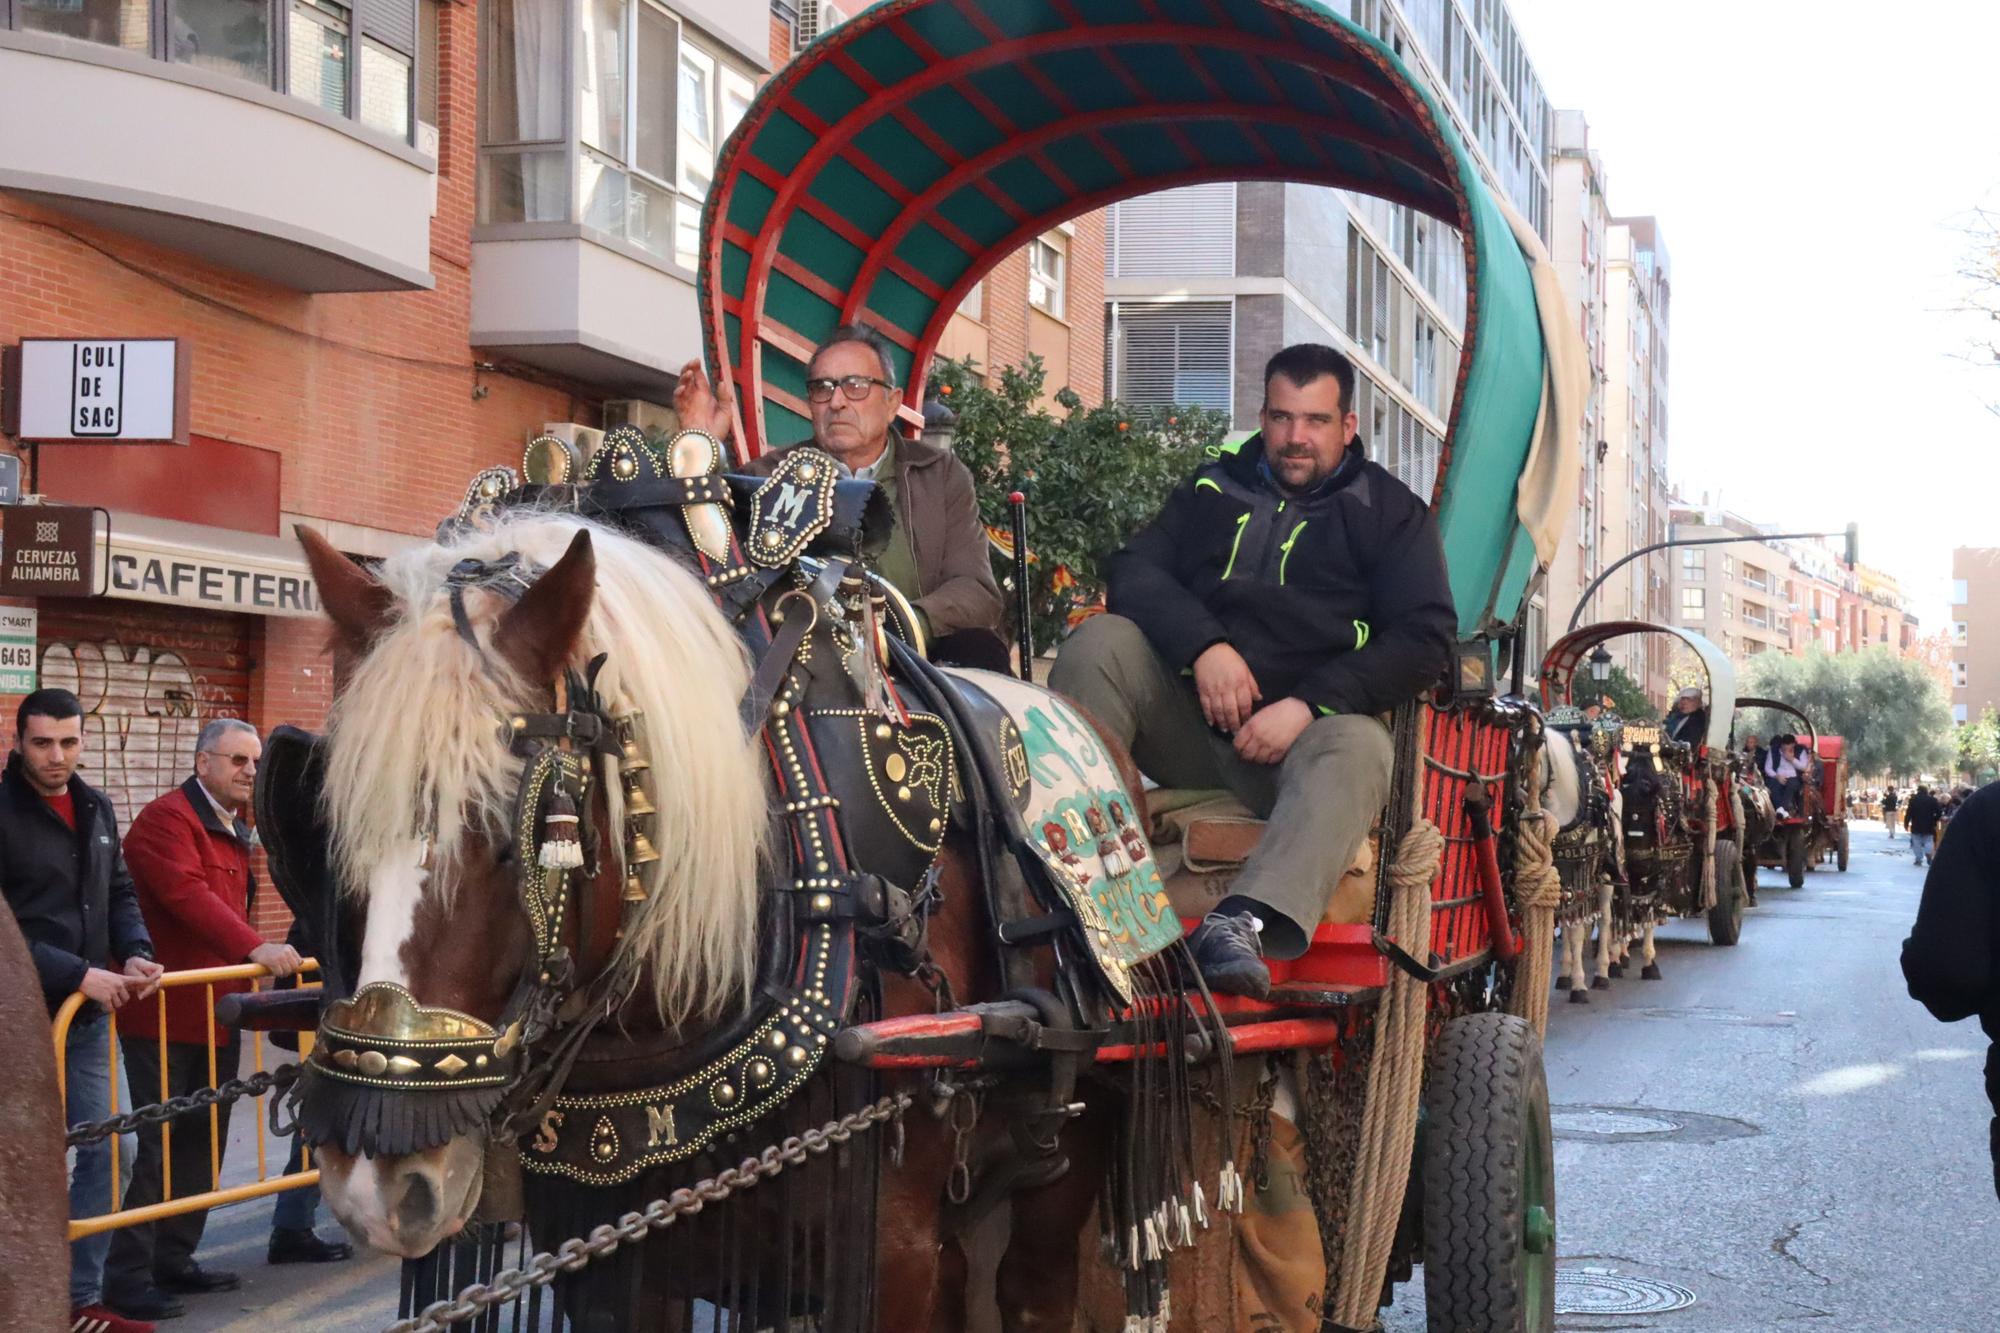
416,745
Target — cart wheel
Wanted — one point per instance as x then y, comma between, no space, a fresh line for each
1489,1180
1725,919
1795,855
1840,857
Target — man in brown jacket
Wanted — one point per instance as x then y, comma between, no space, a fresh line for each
937,554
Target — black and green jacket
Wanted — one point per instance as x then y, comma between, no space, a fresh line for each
1337,597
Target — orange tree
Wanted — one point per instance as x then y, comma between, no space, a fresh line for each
1091,476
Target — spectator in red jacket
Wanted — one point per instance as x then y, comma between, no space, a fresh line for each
189,854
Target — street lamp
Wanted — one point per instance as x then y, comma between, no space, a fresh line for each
1600,664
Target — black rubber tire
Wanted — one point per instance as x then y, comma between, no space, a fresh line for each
1840,857
1725,919
1795,855
1486,1109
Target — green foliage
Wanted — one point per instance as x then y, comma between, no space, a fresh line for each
1628,698
1979,748
1092,476
1896,720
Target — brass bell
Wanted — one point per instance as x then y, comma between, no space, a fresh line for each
637,804
632,758
639,849
635,888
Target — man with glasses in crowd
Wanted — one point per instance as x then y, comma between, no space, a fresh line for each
67,886
190,857
937,555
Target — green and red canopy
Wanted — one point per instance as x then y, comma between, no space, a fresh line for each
882,173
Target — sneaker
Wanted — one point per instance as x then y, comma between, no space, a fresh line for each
1230,954
103,1319
298,1245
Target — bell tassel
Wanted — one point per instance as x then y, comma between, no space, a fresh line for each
562,849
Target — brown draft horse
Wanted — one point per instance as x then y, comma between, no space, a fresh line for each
418,787
34,1199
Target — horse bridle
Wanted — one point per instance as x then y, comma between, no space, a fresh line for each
381,1040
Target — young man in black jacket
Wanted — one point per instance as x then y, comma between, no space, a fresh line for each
1288,593
1920,817
1952,958
64,878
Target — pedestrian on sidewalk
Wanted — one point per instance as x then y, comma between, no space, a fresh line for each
1921,819
1889,804
67,886
190,857
1952,958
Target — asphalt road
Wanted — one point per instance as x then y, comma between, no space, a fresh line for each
1775,1128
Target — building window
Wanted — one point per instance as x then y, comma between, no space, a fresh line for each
1728,566
230,37
1958,714
1694,602
1047,272
1755,577
126,24
1960,595
1173,352
1958,632
1694,562
1958,676
385,90
317,54
973,307
1728,607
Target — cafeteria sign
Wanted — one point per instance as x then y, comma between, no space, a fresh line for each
47,550
105,390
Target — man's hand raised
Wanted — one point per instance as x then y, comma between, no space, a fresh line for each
1227,689
701,407
1267,737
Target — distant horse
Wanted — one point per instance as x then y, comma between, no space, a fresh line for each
421,792
1586,856
34,1200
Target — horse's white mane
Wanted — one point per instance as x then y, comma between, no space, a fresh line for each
415,745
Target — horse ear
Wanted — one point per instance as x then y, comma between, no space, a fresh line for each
538,633
357,602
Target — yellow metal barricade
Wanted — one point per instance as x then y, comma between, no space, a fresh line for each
214,1196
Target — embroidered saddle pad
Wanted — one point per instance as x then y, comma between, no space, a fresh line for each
1080,821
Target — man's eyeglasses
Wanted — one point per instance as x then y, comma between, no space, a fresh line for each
856,387
235,760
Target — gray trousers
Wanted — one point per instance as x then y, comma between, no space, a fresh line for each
1320,801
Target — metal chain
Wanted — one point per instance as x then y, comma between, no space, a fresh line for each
90,1131
575,1254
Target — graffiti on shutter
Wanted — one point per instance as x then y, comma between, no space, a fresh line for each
148,679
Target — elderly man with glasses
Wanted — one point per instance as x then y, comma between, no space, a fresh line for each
937,556
189,854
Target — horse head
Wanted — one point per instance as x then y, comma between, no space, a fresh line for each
530,712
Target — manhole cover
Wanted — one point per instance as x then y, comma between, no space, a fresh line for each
1630,1124
1587,1292
1703,1014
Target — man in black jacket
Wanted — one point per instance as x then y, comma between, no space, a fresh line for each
1289,593
64,877
1952,958
1920,817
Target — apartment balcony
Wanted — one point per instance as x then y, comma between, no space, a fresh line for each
585,308
213,165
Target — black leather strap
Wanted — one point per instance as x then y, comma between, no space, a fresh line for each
778,658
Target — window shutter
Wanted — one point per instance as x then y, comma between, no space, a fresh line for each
392,23
1175,352
1189,232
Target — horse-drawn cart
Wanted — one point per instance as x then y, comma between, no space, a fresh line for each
1816,831
1677,808
965,937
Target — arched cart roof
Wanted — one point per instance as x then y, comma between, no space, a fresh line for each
886,170
1568,653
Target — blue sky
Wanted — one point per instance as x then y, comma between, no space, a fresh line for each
1813,166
